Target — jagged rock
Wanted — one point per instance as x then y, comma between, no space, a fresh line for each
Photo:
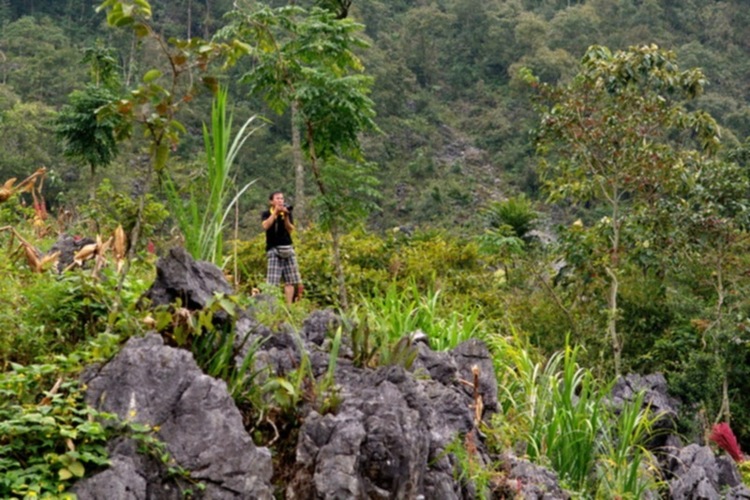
379,443
439,365
474,353
318,324
131,476
68,246
529,481
179,276
201,427
656,398
122,480
388,438
699,475
729,474
740,492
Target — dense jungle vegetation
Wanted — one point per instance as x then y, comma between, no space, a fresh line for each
567,180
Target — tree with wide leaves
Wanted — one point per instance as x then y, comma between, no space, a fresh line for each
306,58
619,135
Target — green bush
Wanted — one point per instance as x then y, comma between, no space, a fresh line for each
49,438
558,411
112,207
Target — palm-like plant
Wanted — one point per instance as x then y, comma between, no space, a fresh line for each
202,217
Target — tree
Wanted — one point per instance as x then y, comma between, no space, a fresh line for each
87,134
26,139
35,60
87,137
619,135
305,58
164,90
714,218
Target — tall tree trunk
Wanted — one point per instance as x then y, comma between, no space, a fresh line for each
612,318
207,21
300,207
724,411
340,278
130,62
334,229
614,286
189,19
135,233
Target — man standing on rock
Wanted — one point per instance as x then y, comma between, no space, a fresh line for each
282,262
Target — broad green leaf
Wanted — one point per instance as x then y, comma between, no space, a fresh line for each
178,126
151,75
77,469
141,30
161,155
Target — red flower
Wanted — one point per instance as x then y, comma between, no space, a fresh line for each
722,435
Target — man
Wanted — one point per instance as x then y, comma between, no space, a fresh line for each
278,224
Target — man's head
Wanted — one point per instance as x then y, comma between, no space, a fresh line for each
276,199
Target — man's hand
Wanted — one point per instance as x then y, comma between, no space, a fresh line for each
281,211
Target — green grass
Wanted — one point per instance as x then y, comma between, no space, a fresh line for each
558,412
398,312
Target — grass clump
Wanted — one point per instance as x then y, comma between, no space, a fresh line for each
558,414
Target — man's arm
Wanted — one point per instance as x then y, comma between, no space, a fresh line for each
267,223
288,221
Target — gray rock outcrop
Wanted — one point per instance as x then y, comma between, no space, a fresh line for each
68,246
656,398
392,433
389,434
700,475
179,276
529,481
160,386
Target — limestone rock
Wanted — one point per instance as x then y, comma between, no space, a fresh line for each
153,384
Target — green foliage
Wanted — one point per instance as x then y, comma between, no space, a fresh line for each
150,445
401,312
350,194
559,412
628,470
314,53
202,217
435,260
27,139
619,134
48,437
470,468
517,212
44,68
112,207
53,314
68,308
87,137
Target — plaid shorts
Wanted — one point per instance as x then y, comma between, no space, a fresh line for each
282,269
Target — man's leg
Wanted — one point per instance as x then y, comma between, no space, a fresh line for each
274,271
291,278
289,292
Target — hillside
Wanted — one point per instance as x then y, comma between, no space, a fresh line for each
446,94
556,189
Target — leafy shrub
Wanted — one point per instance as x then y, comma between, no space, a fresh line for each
517,212
112,207
48,437
559,411
68,307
